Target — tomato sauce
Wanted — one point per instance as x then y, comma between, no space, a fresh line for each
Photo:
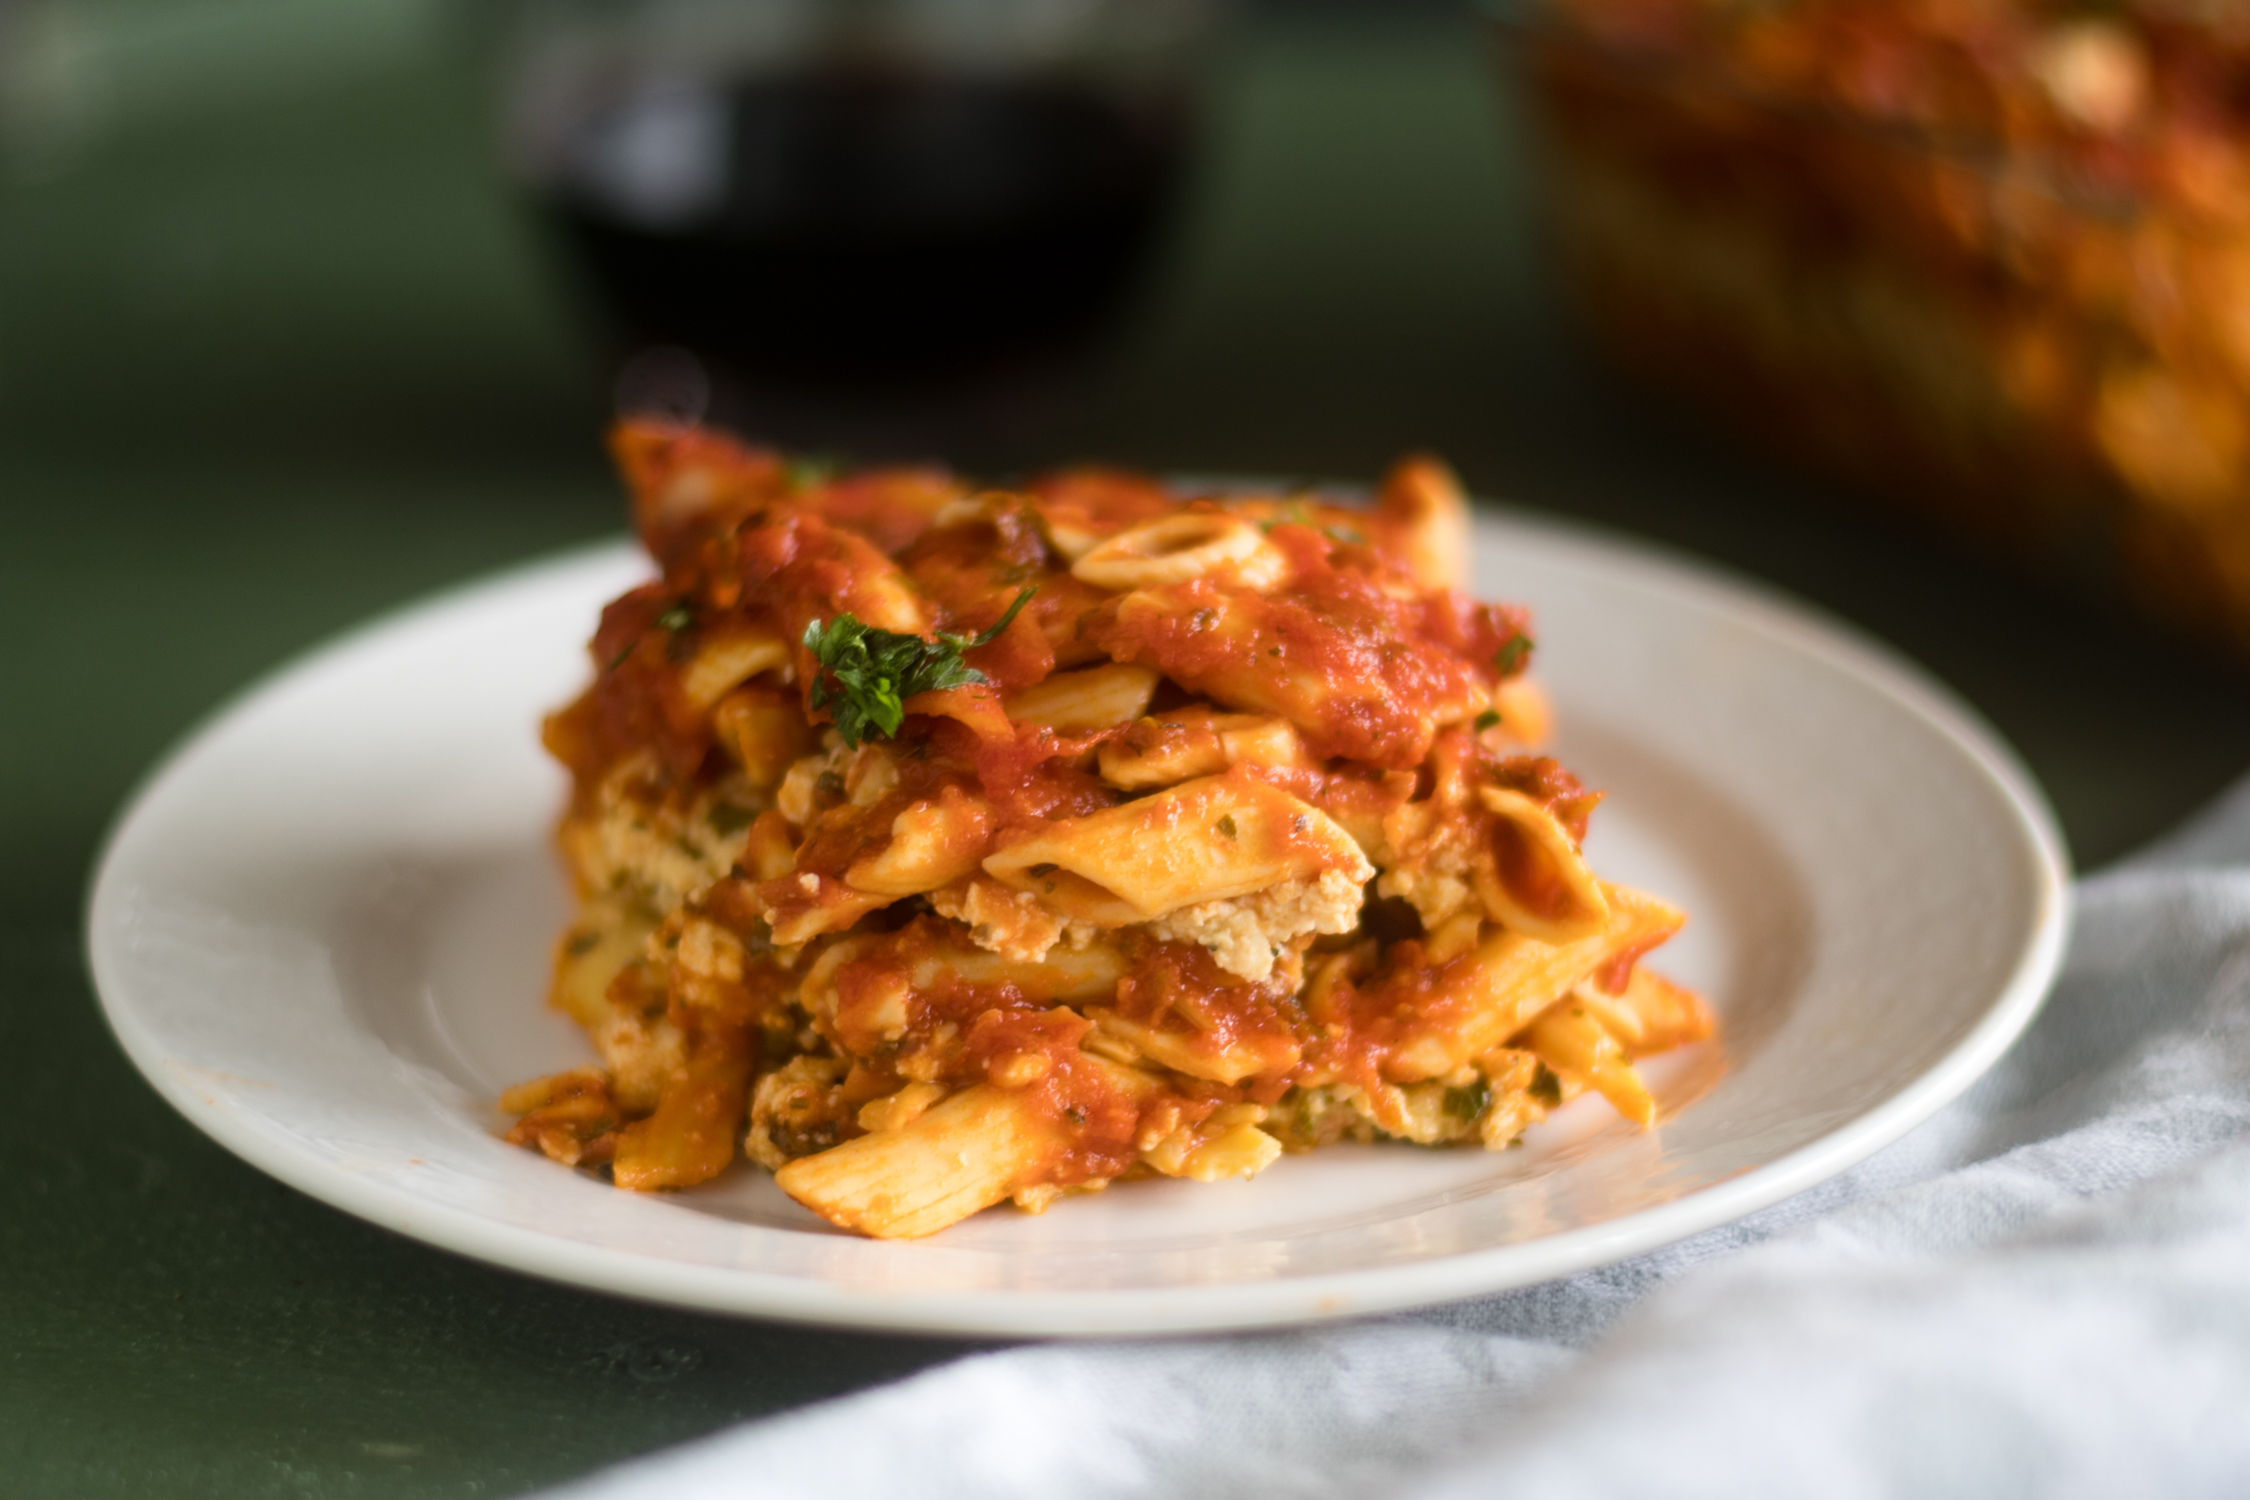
1381,682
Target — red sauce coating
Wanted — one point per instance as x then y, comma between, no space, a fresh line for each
1363,1020
1100,500
1345,662
1179,987
1097,1121
1380,674
1545,781
635,701
890,507
1527,873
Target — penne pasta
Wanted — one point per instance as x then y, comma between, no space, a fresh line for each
725,662
1530,875
1567,1038
1188,743
1095,698
689,1137
1510,977
938,847
1183,548
972,1151
932,844
1429,520
1205,840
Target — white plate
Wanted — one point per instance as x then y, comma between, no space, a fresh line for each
322,932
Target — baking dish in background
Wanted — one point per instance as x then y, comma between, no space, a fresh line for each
1989,257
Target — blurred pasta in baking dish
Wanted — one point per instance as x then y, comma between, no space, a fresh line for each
941,846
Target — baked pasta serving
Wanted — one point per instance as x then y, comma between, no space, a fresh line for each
943,845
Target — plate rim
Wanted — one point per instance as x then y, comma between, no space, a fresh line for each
1226,1306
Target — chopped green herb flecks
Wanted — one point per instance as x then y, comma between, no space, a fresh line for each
868,673
1292,514
1546,1088
809,473
1468,1103
1509,657
1489,719
729,817
1226,825
678,617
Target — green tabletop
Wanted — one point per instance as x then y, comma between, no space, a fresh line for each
276,353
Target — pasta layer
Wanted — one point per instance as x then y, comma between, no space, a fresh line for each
941,847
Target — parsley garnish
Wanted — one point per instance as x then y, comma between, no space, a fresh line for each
1488,719
868,673
1510,656
678,617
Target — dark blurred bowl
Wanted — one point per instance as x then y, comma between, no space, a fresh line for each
854,220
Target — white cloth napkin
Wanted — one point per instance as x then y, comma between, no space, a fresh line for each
2045,1290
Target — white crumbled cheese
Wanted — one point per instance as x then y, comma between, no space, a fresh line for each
662,852
1014,924
1247,933
1426,862
639,1053
1434,894
799,795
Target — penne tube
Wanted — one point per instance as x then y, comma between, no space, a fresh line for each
1187,743
1532,877
1226,1144
1510,978
1651,1014
764,729
725,662
801,907
1205,840
932,844
1064,976
1095,698
1525,717
1349,693
951,1160
865,982
1182,548
1568,1039
948,1160
1219,1060
690,1138
770,852
1428,518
